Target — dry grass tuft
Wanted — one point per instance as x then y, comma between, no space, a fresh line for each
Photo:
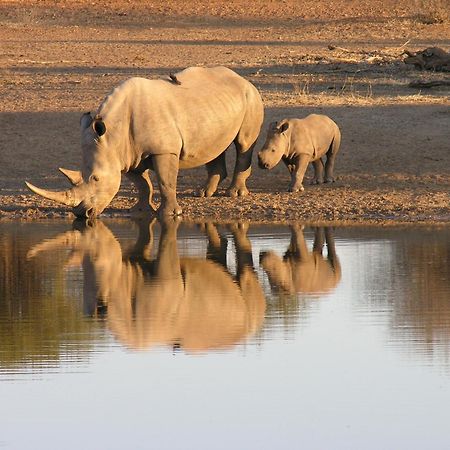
347,94
432,11
348,97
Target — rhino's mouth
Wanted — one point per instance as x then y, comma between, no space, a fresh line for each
84,212
84,204
264,165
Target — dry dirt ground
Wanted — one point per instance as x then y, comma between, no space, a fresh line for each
59,59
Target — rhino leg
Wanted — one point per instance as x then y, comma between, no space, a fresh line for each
331,157
166,168
331,247
329,168
217,245
242,169
168,260
298,173
319,240
298,249
243,245
144,206
318,171
217,172
144,244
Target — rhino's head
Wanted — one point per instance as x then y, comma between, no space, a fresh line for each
98,182
276,145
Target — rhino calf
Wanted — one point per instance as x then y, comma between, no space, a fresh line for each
298,142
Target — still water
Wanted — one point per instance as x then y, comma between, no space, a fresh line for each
194,336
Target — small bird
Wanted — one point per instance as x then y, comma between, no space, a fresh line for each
174,79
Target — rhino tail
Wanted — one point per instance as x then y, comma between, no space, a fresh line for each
336,142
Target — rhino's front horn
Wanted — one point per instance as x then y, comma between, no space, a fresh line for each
70,197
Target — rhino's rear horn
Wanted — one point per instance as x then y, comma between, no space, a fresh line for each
74,176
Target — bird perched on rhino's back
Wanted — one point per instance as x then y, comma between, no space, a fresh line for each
163,125
297,142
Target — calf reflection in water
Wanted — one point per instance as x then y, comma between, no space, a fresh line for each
303,271
190,303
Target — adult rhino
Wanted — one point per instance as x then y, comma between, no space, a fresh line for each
184,121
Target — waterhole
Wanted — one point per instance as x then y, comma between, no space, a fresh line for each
121,334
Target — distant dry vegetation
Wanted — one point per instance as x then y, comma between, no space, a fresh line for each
433,11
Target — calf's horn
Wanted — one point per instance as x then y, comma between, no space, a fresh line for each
70,197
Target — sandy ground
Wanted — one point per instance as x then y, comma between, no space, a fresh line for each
59,59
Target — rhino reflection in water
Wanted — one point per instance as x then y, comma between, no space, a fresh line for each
303,271
186,302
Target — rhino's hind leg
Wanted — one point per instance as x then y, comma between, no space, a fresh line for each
242,169
331,157
298,249
217,172
318,171
144,206
166,168
329,167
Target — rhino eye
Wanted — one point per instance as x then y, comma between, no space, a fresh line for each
93,178
273,150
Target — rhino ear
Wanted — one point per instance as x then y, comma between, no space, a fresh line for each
86,120
273,126
284,126
99,126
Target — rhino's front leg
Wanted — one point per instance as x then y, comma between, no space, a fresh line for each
217,171
144,206
242,171
144,243
166,168
298,248
217,245
301,163
168,260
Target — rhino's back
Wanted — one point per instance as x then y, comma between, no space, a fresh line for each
314,133
199,117
316,124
